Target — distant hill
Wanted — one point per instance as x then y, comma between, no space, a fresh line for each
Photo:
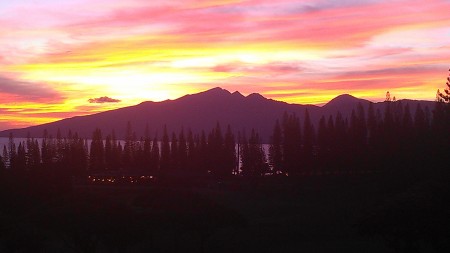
199,112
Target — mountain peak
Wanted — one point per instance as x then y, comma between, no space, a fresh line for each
217,91
237,94
256,96
342,100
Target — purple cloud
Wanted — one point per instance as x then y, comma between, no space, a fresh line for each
102,100
28,91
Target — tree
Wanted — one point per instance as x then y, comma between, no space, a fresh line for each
308,140
444,97
253,156
165,151
323,141
291,143
174,161
147,156
229,152
109,153
276,149
21,158
33,154
12,154
2,164
154,155
182,151
192,152
129,148
216,152
97,158
5,156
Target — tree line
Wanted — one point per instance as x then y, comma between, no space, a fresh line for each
394,139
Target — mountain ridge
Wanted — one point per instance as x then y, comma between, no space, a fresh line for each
198,111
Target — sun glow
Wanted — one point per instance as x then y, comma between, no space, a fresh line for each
56,56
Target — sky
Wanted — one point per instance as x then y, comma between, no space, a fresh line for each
61,59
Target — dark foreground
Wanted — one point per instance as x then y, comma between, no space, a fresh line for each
333,213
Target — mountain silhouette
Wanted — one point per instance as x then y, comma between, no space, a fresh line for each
200,111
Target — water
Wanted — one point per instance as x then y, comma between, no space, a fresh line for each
5,140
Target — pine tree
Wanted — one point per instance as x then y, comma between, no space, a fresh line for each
154,155
253,156
174,161
5,157
292,153
229,153
2,165
192,154
276,149
308,140
21,158
109,153
182,151
165,151
128,148
12,152
444,97
147,150
97,158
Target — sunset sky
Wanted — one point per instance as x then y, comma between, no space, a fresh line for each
60,59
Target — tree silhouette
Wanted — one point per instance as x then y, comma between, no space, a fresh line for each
291,143
165,151
96,157
308,141
182,151
154,155
253,157
174,159
229,153
276,149
2,165
444,97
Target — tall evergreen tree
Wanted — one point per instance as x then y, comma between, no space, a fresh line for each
97,158
154,155
253,156
128,148
276,149
109,153
174,161
308,140
444,97
20,163
182,150
2,165
147,149
12,152
5,157
165,151
192,154
291,144
229,153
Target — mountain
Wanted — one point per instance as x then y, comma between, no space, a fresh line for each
199,112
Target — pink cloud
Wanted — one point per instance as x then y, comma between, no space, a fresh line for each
17,90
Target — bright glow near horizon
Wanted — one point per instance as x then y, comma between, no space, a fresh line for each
55,55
